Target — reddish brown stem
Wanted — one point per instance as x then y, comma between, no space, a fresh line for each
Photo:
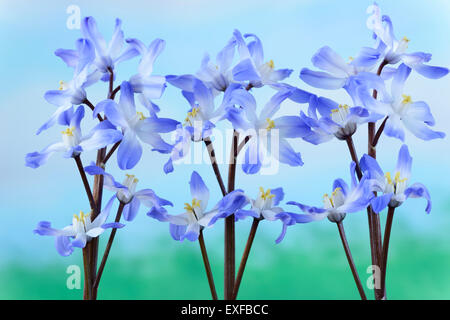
212,156
209,274
350,261
387,237
107,249
244,259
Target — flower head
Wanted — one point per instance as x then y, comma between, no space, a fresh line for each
395,187
81,231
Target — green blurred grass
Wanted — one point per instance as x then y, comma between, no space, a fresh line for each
417,270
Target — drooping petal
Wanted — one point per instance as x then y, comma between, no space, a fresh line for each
131,209
431,72
379,203
288,155
421,130
418,190
308,209
192,232
37,159
177,231
63,246
80,240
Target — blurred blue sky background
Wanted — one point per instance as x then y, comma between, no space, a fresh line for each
291,32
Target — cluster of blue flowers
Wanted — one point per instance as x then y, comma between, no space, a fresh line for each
222,91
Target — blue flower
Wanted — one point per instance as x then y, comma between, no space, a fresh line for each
328,119
261,128
216,76
81,231
338,73
135,126
72,92
73,142
187,225
127,194
394,187
252,67
148,86
393,51
107,55
265,206
200,119
401,110
343,199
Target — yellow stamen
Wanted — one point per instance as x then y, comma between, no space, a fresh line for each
271,64
191,114
267,194
68,131
190,207
327,197
141,116
397,178
405,39
61,85
388,177
130,176
335,191
270,124
351,58
406,99
341,106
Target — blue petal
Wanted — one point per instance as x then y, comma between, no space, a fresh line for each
287,154
245,71
292,127
63,246
250,165
305,208
199,190
177,232
339,183
393,128
131,209
242,214
184,82
404,162
381,202
129,152
431,72
279,195
321,80
418,190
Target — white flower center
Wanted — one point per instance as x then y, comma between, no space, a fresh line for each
339,115
336,199
130,182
